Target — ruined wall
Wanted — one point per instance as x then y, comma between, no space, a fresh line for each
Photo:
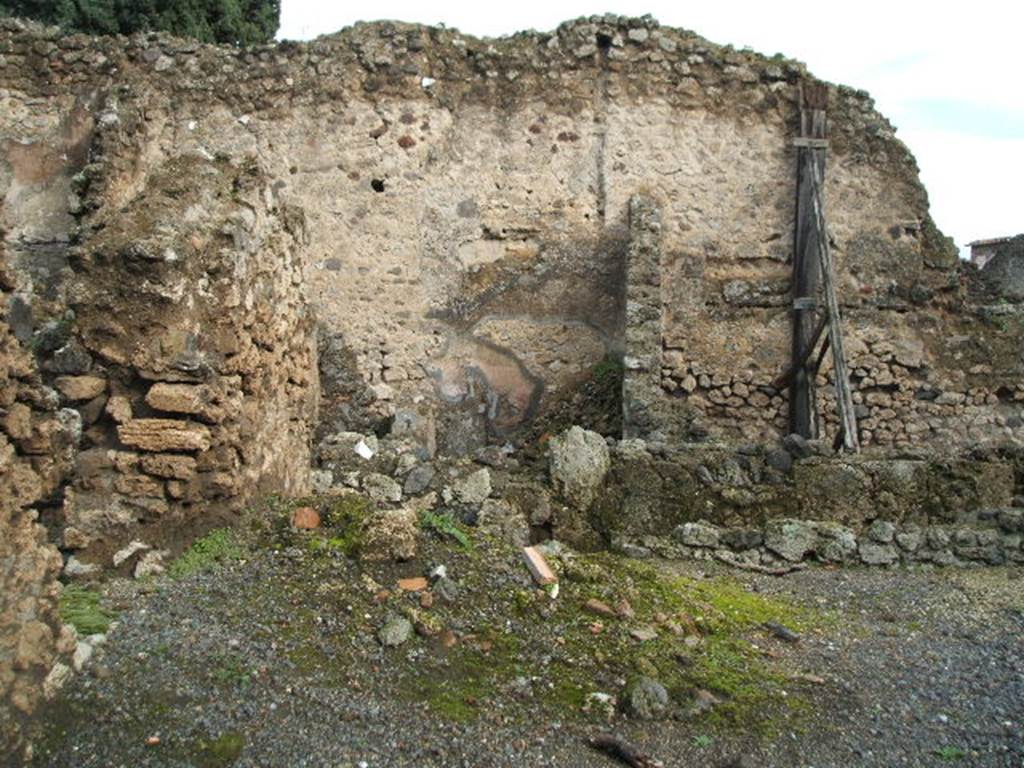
197,362
467,249
175,327
35,438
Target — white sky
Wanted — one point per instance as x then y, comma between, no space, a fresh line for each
950,76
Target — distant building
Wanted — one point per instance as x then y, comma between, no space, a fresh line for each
983,250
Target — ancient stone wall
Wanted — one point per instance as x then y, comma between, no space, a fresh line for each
467,200
196,362
467,217
35,442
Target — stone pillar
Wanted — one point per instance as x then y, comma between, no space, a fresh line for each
641,386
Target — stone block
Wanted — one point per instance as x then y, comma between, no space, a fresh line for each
872,553
78,389
164,435
169,465
190,399
139,485
699,534
791,539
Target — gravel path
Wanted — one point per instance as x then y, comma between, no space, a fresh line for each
917,669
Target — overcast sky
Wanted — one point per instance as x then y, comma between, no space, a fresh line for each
952,81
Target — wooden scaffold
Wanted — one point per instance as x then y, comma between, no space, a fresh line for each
813,274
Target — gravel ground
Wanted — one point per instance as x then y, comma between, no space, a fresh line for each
914,668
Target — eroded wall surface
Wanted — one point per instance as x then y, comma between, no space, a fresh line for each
36,440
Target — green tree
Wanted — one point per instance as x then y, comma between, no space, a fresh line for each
238,22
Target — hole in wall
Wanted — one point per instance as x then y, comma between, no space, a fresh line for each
604,42
377,184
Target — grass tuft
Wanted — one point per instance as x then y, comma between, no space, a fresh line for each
446,526
80,607
215,548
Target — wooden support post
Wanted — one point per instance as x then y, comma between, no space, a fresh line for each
844,396
810,151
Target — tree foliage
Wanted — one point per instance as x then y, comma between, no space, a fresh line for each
239,22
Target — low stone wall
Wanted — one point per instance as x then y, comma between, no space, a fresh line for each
651,490
35,438
189,353
994,538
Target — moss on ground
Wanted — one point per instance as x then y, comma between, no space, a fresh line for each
702,641
215,548
506,638
220,752
500,647
82,608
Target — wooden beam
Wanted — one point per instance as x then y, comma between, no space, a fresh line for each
786,376
813,124
844,396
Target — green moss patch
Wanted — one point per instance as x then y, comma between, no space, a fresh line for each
215,548
82,608
220,752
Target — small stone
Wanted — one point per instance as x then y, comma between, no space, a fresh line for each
418,479
643,634
500,519
638,35
83,652
128,552
446,589
414,584
742,539
790,539
797,446
396,630
700,534
382,488
837,544
909,539
473,488
882,531
321,481
391,534
779,459
938,538
624,610
704,701
305,519
578,462
646,699
1011,520
599,608
80,388
150,564
75,568
782,632
872,553
57,678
